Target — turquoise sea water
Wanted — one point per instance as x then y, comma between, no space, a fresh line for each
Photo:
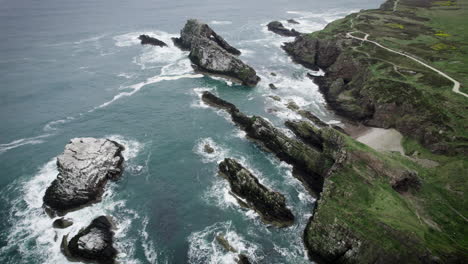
75,68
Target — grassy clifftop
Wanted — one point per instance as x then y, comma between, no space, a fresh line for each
384,208
364,215
381,88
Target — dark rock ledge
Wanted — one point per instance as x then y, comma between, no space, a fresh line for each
278,28
211,54
145,39
93,244
270,205
309,165
84,169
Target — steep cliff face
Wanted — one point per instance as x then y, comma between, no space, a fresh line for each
373,207
354,90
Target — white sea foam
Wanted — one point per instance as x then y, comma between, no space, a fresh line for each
23,141
136,87
219,153
148,245
204,248
198,103
220,22
51,126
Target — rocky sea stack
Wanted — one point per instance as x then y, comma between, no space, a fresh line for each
84,169
145,39
278,28
210,53
93,244
269,204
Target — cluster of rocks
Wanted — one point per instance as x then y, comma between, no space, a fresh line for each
85,167
308,162
210,53
241,258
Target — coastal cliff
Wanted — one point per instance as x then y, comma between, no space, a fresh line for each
368,80
383,207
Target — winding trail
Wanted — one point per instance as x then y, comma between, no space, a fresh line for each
456,84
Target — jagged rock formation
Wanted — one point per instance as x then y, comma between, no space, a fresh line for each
212,54
309,164
278,28
84,169
94,243
145,39
270,205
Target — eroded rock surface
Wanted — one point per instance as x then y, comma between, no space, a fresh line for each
270,205
84,169
212,54
95,243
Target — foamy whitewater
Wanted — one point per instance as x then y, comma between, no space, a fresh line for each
77,69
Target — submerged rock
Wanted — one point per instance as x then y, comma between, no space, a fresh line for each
272,86
243,259
145,39
225,244
62,223
95,243
278,28
84,169
212,54
270,205
208,149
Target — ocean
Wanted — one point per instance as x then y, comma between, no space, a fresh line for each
76,69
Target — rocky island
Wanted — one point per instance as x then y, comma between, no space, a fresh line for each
94,243
210,53
84,169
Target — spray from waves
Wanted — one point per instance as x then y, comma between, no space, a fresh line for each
31,233
204,247
198,103
23,141
220,22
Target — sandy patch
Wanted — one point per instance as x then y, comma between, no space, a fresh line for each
382,139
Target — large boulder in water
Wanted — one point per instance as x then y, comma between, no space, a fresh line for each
270,205
84,169
212,54
278,28
94,243
194,29
145,39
